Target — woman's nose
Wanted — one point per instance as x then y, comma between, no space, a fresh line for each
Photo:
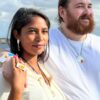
39,36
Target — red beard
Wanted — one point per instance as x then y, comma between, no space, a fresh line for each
77,27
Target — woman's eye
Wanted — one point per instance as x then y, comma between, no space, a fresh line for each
32,30
45,31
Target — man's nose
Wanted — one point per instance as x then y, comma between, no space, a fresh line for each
88,11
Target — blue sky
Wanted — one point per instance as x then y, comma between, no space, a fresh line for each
49,7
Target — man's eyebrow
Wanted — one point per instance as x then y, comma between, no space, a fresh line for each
81,3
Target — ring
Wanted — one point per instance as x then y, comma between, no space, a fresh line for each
21,66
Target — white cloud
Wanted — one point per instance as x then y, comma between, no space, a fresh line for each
3,15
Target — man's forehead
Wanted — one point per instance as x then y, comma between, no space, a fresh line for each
74,2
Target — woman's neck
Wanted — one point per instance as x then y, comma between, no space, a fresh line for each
31,61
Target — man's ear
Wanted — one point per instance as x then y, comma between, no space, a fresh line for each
62,12
16,35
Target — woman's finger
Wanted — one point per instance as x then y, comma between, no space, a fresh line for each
25,85
13,63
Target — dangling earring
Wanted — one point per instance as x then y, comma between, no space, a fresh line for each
18,41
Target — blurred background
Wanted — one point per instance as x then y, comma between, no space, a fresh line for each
48,7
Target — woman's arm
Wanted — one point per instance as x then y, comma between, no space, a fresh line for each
14,95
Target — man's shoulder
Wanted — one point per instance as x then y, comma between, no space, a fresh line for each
94,42
54,33
95,37
53,30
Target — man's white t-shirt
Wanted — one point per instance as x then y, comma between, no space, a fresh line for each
79,81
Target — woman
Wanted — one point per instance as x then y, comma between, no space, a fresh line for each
25,72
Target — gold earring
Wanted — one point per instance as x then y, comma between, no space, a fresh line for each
18,41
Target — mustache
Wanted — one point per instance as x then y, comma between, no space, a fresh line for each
85,16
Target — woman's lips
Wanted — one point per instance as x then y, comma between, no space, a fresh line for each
38,45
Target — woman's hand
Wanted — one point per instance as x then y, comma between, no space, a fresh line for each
17,79
18,82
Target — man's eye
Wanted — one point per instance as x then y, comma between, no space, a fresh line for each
89,6
80,6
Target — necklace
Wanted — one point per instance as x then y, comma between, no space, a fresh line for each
46,79
77,54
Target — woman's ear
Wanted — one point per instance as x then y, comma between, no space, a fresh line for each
16,35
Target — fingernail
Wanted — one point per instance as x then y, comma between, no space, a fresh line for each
15,56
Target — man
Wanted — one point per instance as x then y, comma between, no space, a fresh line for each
74,52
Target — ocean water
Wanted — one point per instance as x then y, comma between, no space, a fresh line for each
4,46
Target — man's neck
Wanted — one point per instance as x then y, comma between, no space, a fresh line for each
69,34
